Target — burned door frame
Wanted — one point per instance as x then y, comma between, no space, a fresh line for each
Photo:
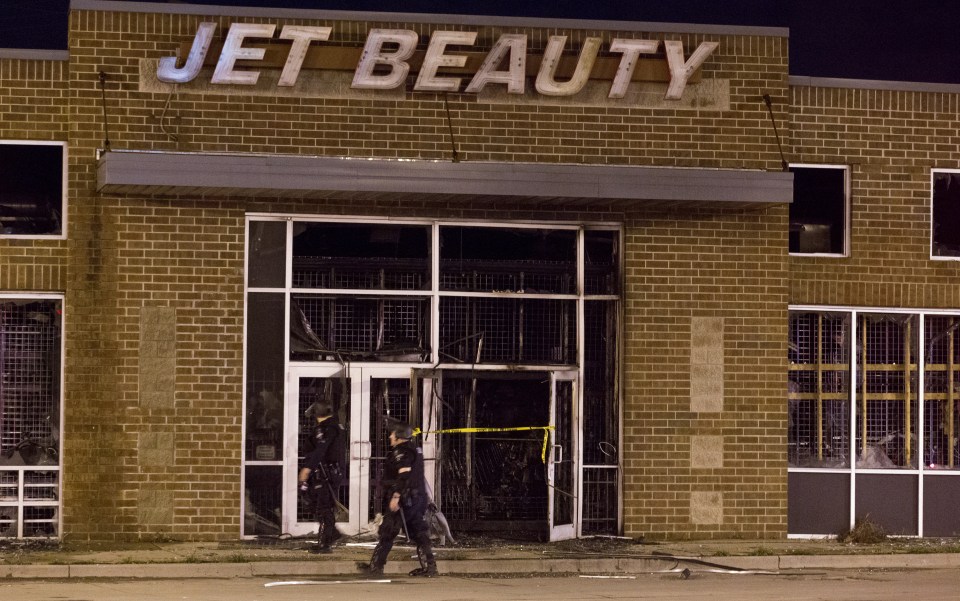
564,458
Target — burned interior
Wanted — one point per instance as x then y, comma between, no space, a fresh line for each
483,336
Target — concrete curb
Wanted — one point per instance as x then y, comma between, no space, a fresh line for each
879,562
500,566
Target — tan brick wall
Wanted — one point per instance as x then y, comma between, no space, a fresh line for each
186,254
891,140
719,265
33,106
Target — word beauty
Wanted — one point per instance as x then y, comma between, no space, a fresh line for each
385,60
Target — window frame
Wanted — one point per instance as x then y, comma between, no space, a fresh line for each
63,189
847,226
933,256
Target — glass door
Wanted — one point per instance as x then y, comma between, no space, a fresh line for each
364,400
563,457
341,387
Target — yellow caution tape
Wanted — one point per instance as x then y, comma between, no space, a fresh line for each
546,434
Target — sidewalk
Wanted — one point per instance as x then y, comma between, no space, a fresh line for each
477,555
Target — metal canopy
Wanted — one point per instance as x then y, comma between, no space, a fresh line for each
155,173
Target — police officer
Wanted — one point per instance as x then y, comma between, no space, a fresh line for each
405,504
323,470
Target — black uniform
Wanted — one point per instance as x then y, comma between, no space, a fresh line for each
411,486
325,461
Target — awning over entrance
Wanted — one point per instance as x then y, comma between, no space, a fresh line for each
295,176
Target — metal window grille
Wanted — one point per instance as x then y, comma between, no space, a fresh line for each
601,424
29,418
600,498
941,423
544,277
379,273
887,391
361,328
508,330
602,262
29,381
818,431
488,476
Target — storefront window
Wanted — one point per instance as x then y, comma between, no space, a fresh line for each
873,412
30,359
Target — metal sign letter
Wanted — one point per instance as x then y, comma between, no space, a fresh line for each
233,50
373,55
681,71
514,45
301,36
167,70
546,82
427,78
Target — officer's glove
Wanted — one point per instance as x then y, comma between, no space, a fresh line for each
304,487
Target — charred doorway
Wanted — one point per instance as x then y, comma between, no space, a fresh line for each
494,476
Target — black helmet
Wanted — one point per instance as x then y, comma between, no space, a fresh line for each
319,409
399,429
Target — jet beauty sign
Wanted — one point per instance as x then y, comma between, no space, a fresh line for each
451,62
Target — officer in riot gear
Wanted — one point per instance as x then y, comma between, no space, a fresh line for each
405,503
322,472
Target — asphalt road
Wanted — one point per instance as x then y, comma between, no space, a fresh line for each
845,585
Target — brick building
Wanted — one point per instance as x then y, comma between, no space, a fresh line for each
591,283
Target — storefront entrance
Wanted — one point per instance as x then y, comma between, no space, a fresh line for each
500,448
498,341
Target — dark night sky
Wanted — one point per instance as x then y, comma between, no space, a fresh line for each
898,40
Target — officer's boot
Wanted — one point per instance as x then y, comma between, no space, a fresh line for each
428,563
377,561
322,546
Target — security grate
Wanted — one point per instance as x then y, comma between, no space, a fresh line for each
380,273
941,388
29,382
29,417
600,495
508,276
601,422
488,259
602,262
508,330
493,475
361,256
887,391
818,419
360,328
